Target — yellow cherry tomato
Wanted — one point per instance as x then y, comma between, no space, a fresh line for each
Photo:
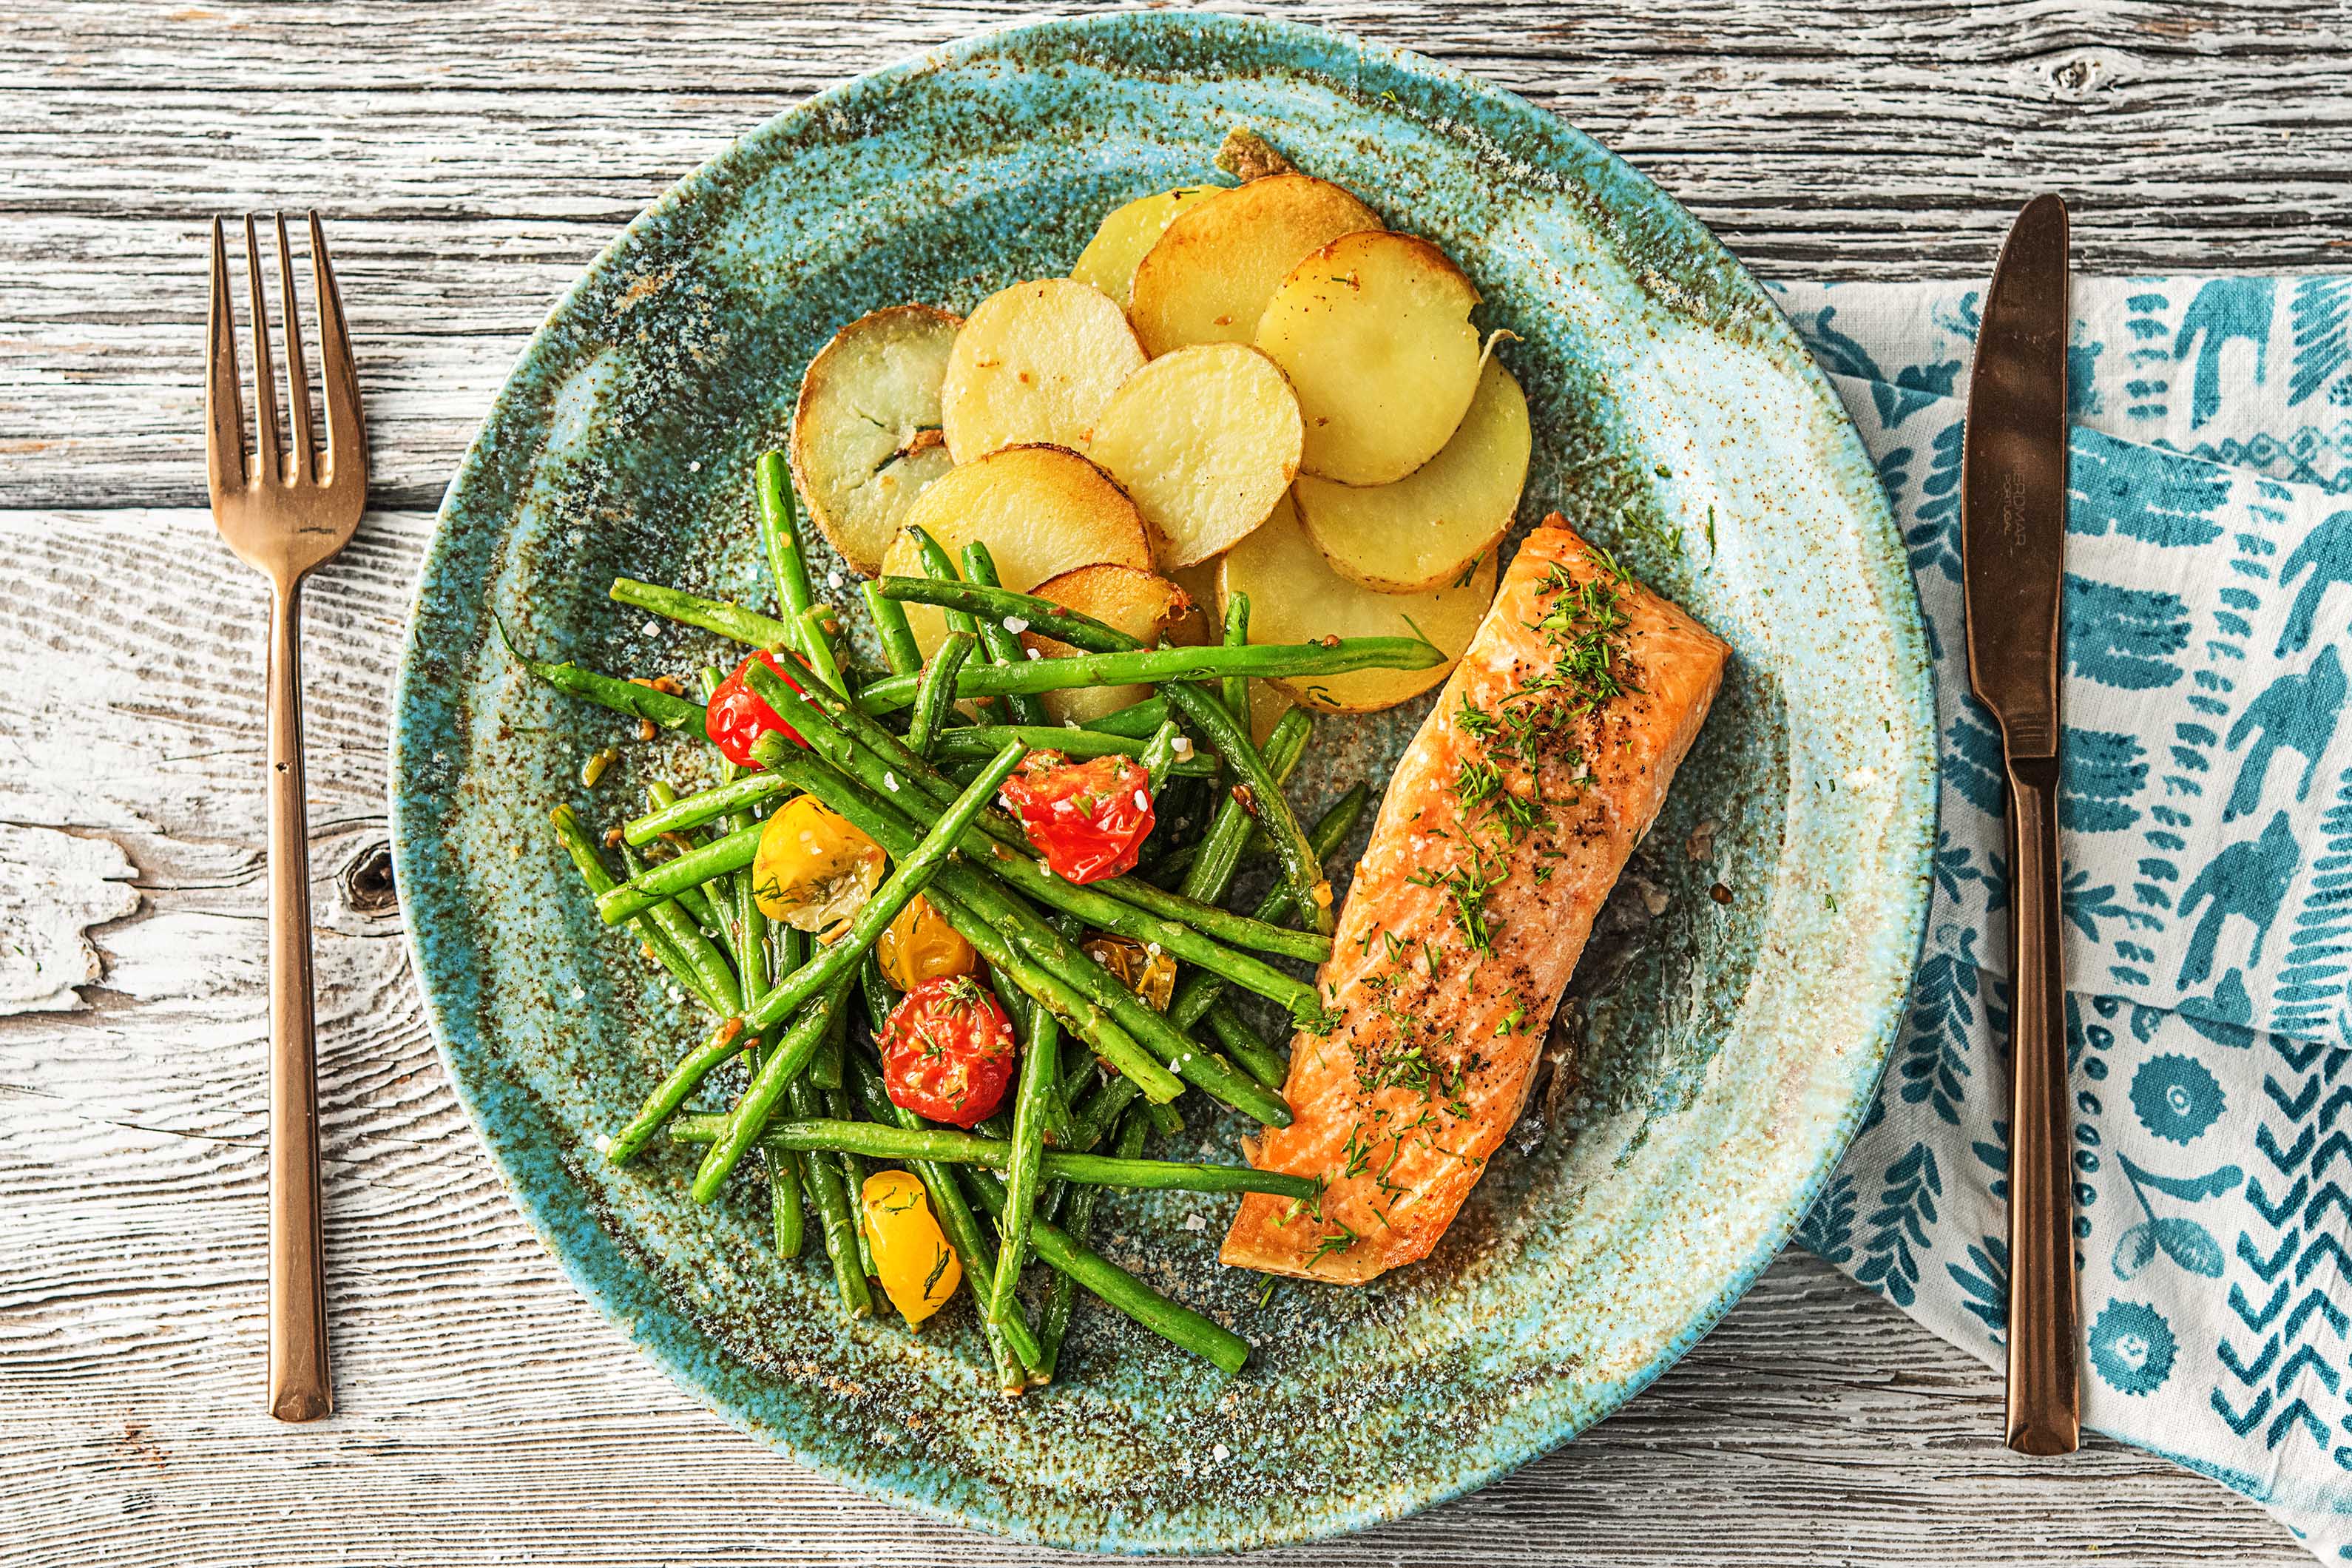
919,1268
1148,971
815,871
921,945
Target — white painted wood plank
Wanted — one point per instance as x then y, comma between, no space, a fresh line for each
473,154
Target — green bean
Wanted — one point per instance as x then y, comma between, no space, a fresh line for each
786,1175
1159,753
1004,643
720,988
703,805
853,1169
1040,1064
1200,988
1137,723
725,617
1039,1030
1246,1045
1224,731
836,1210
786,1212
592,871
1235,691
1190,929
1061,1296
1174,668
913,873
816,628
935,697
779,534
900,650
1219,854
938,568
1178,1325
722,1045
671,713
825,1069
878,1140
713,909
687,871
970,740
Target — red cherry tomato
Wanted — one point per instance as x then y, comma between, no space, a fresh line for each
1087,819
736,717
947,1051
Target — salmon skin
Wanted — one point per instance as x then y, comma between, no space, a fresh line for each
1504,829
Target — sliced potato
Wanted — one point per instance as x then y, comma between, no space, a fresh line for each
866,432
1294,596
1136,603
1374,331
1205,438
1427,529
1267,704
1203,626
1111,257
1036,363
1211,272
1041,510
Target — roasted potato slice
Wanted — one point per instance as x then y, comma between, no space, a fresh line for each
1041,510
866,432
1210,275
1111,257
1374,332
1205,438
1425,529
1138,603
1036,363
1294,596
1267,704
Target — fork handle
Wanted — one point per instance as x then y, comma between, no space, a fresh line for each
299,1385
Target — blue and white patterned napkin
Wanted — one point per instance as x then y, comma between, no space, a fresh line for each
2206,826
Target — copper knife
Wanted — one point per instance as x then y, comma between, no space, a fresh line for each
2014,555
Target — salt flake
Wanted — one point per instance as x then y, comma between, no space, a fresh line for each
1015,624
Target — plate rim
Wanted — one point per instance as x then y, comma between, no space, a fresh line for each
1910,675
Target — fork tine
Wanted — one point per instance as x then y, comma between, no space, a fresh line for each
298,370
266,448
224,408
338,380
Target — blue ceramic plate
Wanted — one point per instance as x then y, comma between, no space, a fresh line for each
1722,1076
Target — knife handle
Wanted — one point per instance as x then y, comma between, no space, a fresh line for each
2043,1315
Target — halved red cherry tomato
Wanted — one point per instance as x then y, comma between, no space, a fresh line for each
947,1051
1087,819
736,717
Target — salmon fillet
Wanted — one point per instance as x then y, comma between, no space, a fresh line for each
1504,829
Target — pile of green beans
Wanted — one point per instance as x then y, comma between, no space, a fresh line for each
789,1063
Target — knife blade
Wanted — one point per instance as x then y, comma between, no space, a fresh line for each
2013,553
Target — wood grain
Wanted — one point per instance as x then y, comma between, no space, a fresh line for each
472,155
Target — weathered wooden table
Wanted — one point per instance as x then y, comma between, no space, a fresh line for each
473,155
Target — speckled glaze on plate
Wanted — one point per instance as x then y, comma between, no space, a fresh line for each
1720,1080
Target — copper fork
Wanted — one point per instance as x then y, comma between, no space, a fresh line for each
284,511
